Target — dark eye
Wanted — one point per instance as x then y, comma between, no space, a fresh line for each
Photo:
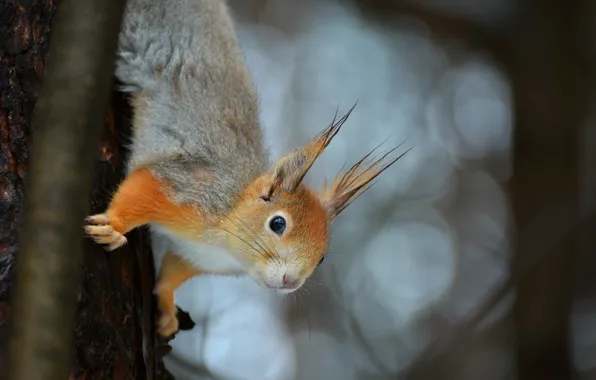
321,261
278,225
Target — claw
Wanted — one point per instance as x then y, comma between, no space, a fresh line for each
101,232
167,325
116,244
98,219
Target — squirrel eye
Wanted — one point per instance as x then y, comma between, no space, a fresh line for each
278,225
321,261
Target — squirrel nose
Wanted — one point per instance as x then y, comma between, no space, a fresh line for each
289,282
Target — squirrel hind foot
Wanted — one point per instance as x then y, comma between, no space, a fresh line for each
167,324
103,233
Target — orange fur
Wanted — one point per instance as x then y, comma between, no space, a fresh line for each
173,273
142,198
307,234
290,170
281,191
269,257
349,185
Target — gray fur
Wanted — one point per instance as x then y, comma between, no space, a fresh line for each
201,111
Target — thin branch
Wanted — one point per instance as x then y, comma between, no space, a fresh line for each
67,126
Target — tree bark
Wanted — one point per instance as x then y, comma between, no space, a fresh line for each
114,322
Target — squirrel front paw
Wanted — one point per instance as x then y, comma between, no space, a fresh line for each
102,232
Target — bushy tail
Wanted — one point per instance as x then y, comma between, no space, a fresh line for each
140,49
159,36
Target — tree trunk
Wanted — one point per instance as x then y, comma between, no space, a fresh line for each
550,94
114,337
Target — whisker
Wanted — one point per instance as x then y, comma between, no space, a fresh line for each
272,245
243,240
259,241
245,229
249,244
305,308
321,284
265,253
312,299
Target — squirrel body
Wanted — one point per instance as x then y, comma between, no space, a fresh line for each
199,173
182,62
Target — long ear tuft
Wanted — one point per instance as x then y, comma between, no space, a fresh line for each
289,171
349,185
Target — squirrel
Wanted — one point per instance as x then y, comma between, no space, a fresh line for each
199,173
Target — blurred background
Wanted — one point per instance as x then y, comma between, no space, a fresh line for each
421,272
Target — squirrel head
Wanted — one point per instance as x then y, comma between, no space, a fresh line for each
281,227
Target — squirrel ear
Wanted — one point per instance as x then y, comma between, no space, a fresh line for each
350,184
289,171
